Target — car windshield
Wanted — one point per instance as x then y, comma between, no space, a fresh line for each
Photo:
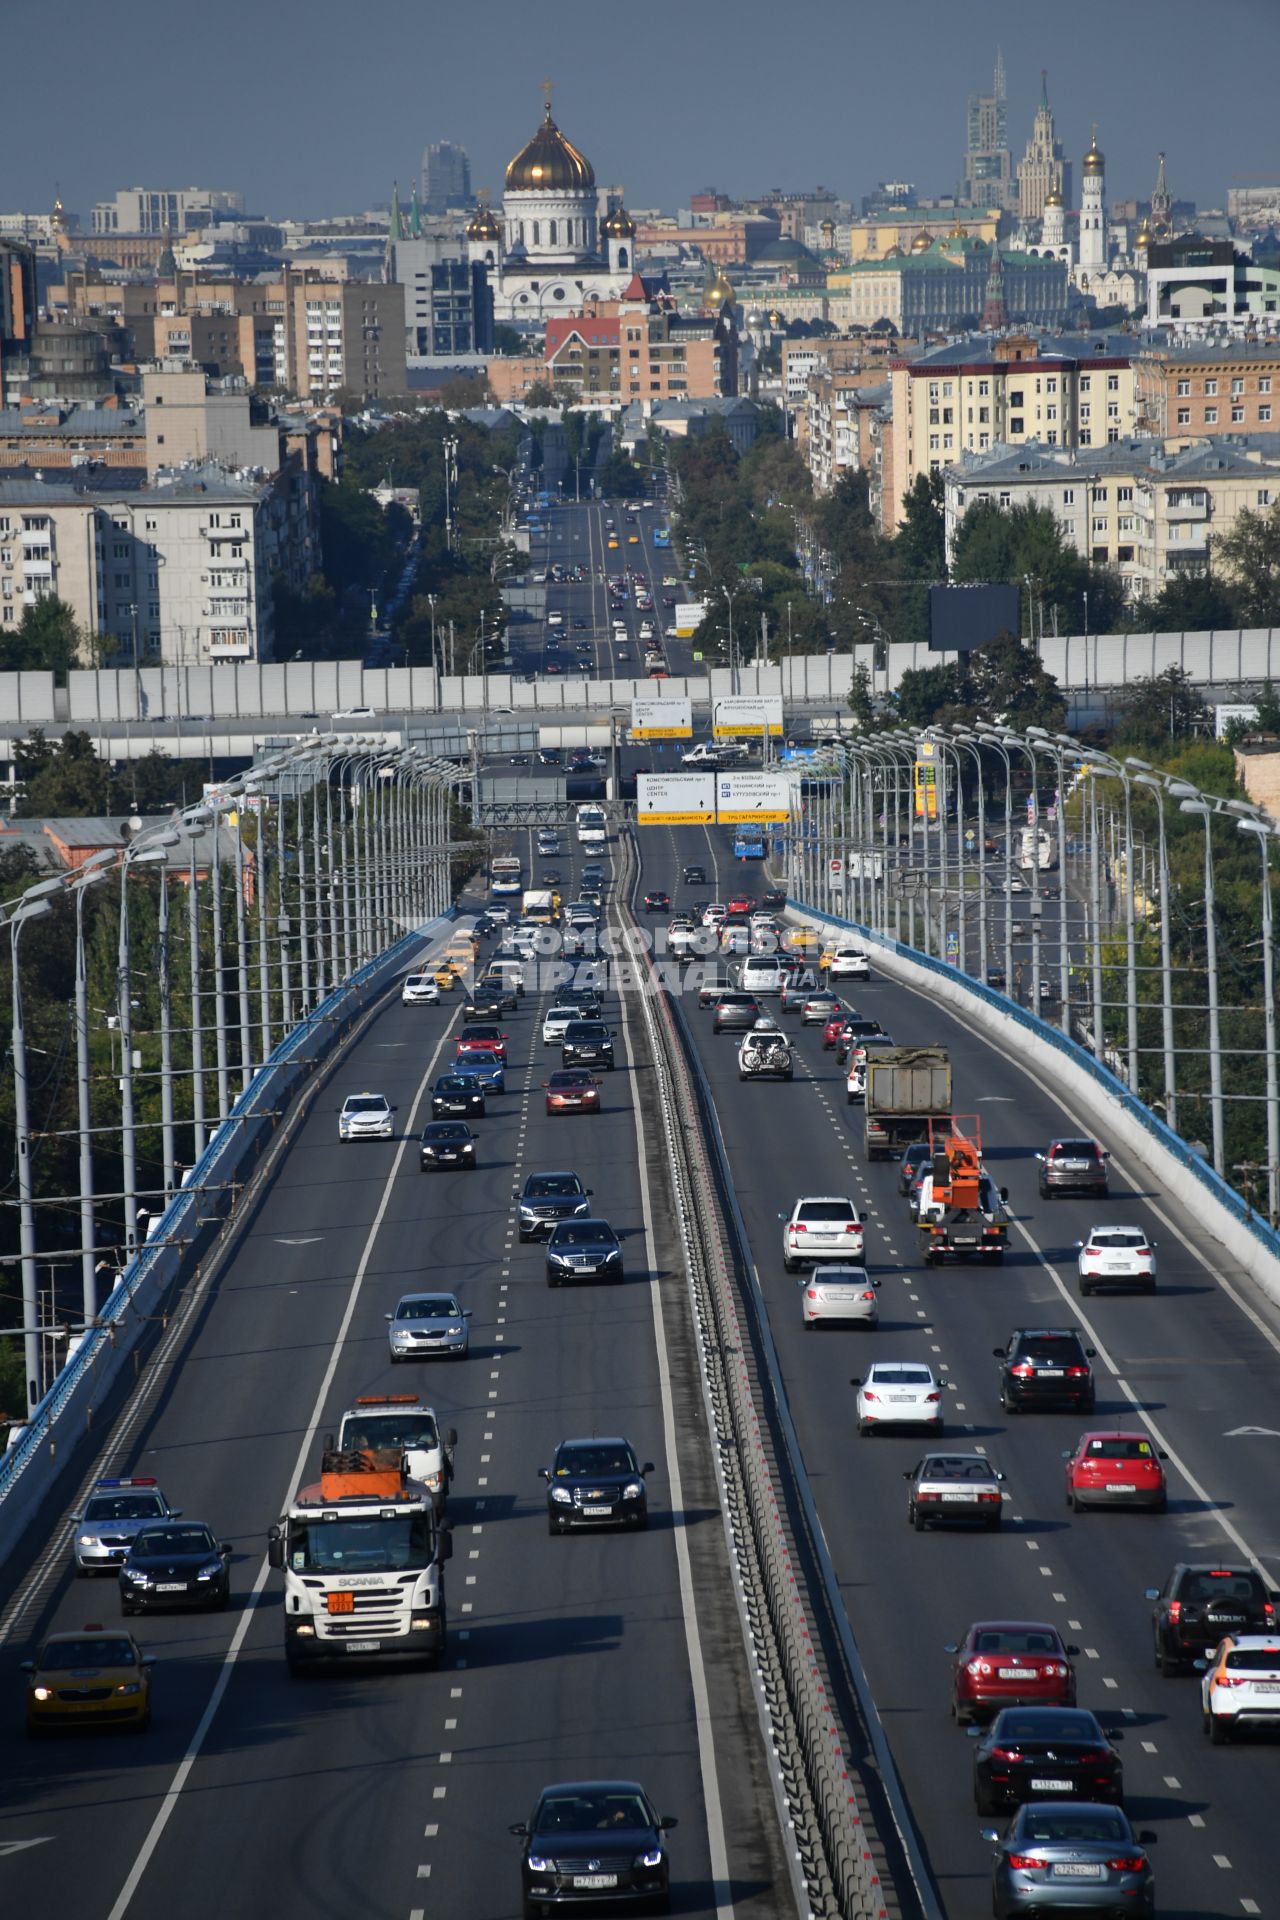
591,1812
446,1130
453,1083
62,1654
1223,1586
1119,1447
124,1506
586,1030
587,1461
397,1544
962,1466
563,1013
1057,1723
162,1540
583,1233
826,1210
572,1077
1072,1827
1118,1237
1016,1640
551,1186
366,1103
404,1431
885,1375
428,1306
415,980
484,1033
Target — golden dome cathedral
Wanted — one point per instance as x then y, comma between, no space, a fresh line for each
550,162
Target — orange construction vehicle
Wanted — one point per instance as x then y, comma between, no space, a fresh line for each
962,1212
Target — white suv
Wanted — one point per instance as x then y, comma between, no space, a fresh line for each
365,1116
761,973
1241,1685
419,990
849,963
822,1227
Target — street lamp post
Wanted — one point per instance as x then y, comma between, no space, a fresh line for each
1143,776
34,905
1265,831
990,738
193,826
136,854
1199,806
90,874
1043,742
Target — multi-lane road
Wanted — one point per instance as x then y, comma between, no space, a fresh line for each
1197,1367
383,1793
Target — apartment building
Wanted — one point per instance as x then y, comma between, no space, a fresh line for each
990,390
624,350
162,210
1147,510
838,437
1232,388
63,438
174,571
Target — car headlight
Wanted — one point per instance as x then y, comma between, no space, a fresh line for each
454,1331
433,1481
428,1153
129,1686
537,1864
42,1693
614,1253
138,1578
651,1859
211,1571
633,1490
87,1540
562,1495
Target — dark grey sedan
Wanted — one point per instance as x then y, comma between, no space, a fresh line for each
1078,1857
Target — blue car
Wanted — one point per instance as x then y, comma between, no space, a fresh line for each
490,1074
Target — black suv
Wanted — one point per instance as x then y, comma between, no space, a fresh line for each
1072,1166
583,1250
586,1043
549,1198
590,1481
1042,1365
1200,1605
695,876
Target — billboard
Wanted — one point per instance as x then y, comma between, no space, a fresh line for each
752,796
961,618
753,715
689,616
926,780
662,720
675,799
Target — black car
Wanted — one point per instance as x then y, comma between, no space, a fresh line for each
548,1198
772,902
500,994
1201,1604
456,1096
587,1043
857,1027
1044,1753
583,1250
918,1156
695,876
594,1481
447,1143
657,902
486,1006
592,874
1044,1365
176,1563
594,1841
586,998
1072,1166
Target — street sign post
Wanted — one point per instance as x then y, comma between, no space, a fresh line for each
662,720
675,799
689,616
752,797
751,715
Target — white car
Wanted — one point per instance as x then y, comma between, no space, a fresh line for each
855,1085
822,1227
847,1294
1117,1257
365,1116
354,713
419,990
555,1023
849,963
1241,1685
902,1393
713,914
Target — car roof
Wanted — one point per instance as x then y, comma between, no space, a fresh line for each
1013,1626
805,1198
592,1786
595,1440
1041,1333
87,1633
552,1173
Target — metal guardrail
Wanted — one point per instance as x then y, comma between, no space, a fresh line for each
193,1217
841,1853
1161,1133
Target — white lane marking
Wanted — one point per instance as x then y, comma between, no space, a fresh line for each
1195,1819
305,1452
1171,1780
693,1645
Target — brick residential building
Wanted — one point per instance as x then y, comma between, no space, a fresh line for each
1199,390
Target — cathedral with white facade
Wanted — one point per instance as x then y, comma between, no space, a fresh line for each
550,248
1103,266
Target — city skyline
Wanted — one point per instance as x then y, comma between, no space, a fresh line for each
829,116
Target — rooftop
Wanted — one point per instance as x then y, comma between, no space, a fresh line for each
1204,459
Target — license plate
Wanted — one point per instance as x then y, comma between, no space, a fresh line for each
595,1879
1016,1673
1121,1486
1052,1786
597,1513
1050,1373
171,1586
1075,1870
363,1646
902,1399
1266,1686
957,1496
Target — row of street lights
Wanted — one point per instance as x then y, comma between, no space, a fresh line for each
362,849
850,838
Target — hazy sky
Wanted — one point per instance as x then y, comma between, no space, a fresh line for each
315,107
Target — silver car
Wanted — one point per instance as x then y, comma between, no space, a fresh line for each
425,1324
115,1512
1076,1857
845,1294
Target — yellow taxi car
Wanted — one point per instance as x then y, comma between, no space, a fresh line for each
96,1677
446,976
633,539
613,539
827,955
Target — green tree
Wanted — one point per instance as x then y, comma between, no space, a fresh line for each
920,544
62,777
540,394
1187,603
49,639
466,390
1250,557
507,341
861,700
1164,707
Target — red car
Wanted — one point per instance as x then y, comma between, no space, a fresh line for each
482,1043
833,1029
742,905
1115,1470
1010,1663
572,1090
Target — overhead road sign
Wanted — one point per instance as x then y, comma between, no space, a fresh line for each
753,796
662,720
752,715
675,799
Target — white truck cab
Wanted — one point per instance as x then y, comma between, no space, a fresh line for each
381,1421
